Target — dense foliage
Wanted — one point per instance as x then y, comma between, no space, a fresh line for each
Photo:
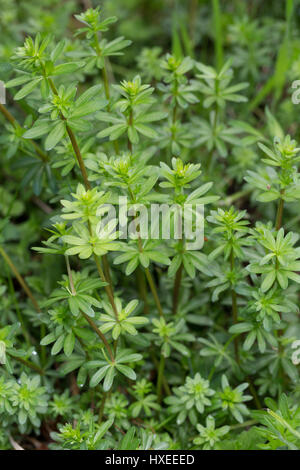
145,343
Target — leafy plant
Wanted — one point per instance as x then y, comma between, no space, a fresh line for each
119,330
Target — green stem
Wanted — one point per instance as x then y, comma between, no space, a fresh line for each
164,381
147,272
142,288
76,149
79,157
160,377
235,197
106,83
279,214
154,292
174,113
192,22
176,289
212,371
9,117
245,424
107,273
20,317
73,142
284,423
217,27
99,333
254,393
20,279
278,224
234,310
101,409
88,319
107,287
130,122
211,153
27,363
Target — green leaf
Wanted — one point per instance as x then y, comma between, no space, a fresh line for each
103,428
128,441
268,281
58,345
88,108
55,135
89,94
240,328
57,51
268,196
17,81
27,89
109,378
145,130
47,339
127,371
69,344
98,376
40,128
70,67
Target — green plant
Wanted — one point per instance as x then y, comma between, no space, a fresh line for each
117,330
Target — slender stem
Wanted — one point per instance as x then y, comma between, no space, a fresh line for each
107,287
147,272
215,122
84,347
41,204
192,21
88,319
79,157
278,224
174,116
254,393
107,272
73,142
164,381
212,371
244,424
130,122
160,377
178,276
142,288
279,214
154,292
99,333
176,289
101,409
87,186
8,116
27,363
234,197
40,153
20,317
174,112
20,279
106,83
234,310
73,290
104,71
217,20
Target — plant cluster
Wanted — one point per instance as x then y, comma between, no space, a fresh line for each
143,342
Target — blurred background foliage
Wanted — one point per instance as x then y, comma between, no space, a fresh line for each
263,42
185,27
